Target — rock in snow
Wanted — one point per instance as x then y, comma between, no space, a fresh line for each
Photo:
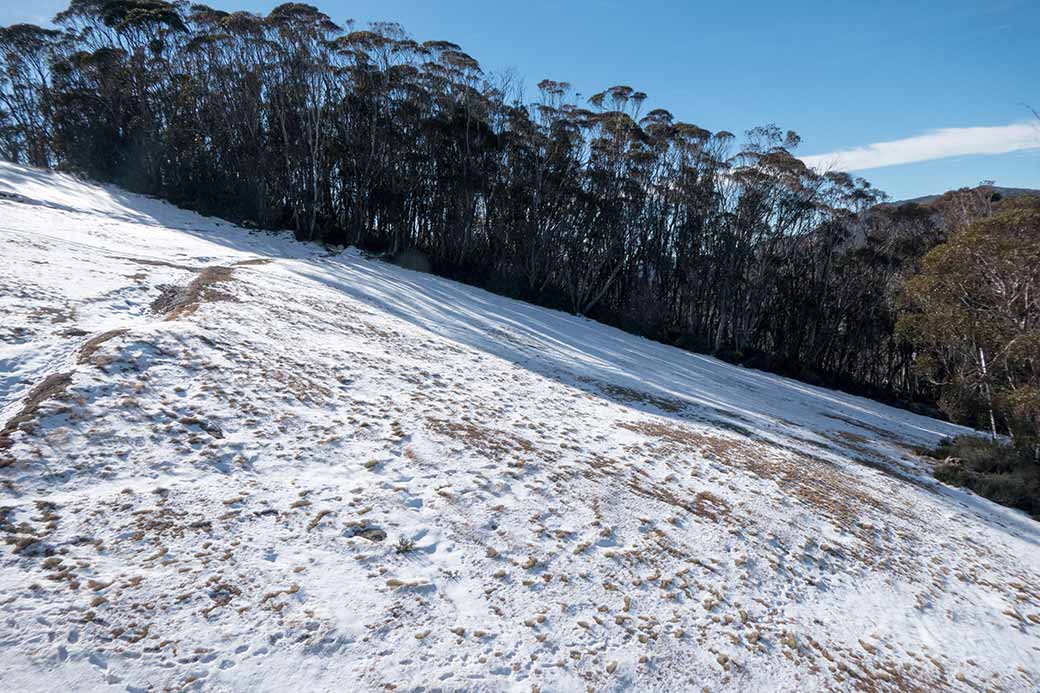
235,462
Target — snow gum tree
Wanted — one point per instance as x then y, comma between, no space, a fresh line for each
973,311
603,206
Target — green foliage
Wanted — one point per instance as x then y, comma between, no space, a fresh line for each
973,312
1002,472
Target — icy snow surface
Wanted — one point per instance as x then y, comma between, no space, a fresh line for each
236,462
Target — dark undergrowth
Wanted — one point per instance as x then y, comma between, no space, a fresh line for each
997,470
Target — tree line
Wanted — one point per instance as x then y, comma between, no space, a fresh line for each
598,206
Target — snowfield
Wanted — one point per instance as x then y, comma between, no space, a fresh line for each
229,461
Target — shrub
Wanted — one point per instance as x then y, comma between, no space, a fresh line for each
404,545
729,355
1000,471
414,260
972,314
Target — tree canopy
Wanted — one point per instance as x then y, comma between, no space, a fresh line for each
974,312
365,136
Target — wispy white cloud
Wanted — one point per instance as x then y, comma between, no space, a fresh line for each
937,144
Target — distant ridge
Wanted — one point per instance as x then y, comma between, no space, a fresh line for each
1004,193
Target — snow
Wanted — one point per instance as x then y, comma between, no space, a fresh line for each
331,473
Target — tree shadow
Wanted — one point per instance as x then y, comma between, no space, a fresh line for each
655,378
594,359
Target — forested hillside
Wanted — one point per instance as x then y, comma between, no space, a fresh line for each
331,360
230,461
601,206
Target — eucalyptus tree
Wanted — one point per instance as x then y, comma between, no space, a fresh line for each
366,136
26,130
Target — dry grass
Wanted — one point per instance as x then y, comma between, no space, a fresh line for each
54,315
707,504
493,443
869,457
296,382
679,439
94,343
51,387
660,492
180,301
155,263
627,395
824,488
211,429
316,520
814,482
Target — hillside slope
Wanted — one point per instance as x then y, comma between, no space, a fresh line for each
231,462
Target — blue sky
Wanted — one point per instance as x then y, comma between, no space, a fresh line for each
843,75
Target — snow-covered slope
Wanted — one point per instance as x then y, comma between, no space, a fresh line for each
235,462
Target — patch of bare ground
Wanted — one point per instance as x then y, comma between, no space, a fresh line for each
488,441
210,428
881,433
867,668
823,488
703,504
156,263
678,439
295,381
174,302
870,458
627,395
180,301
94,343
51,387
52,314
815,483
683,409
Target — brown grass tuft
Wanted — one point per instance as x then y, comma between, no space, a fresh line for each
51,387
95,342
489,441
179,301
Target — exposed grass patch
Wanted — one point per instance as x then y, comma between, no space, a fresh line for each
809,479
54,315
155,263
627,395
94,343
492,442
993,469
178,301
51,387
